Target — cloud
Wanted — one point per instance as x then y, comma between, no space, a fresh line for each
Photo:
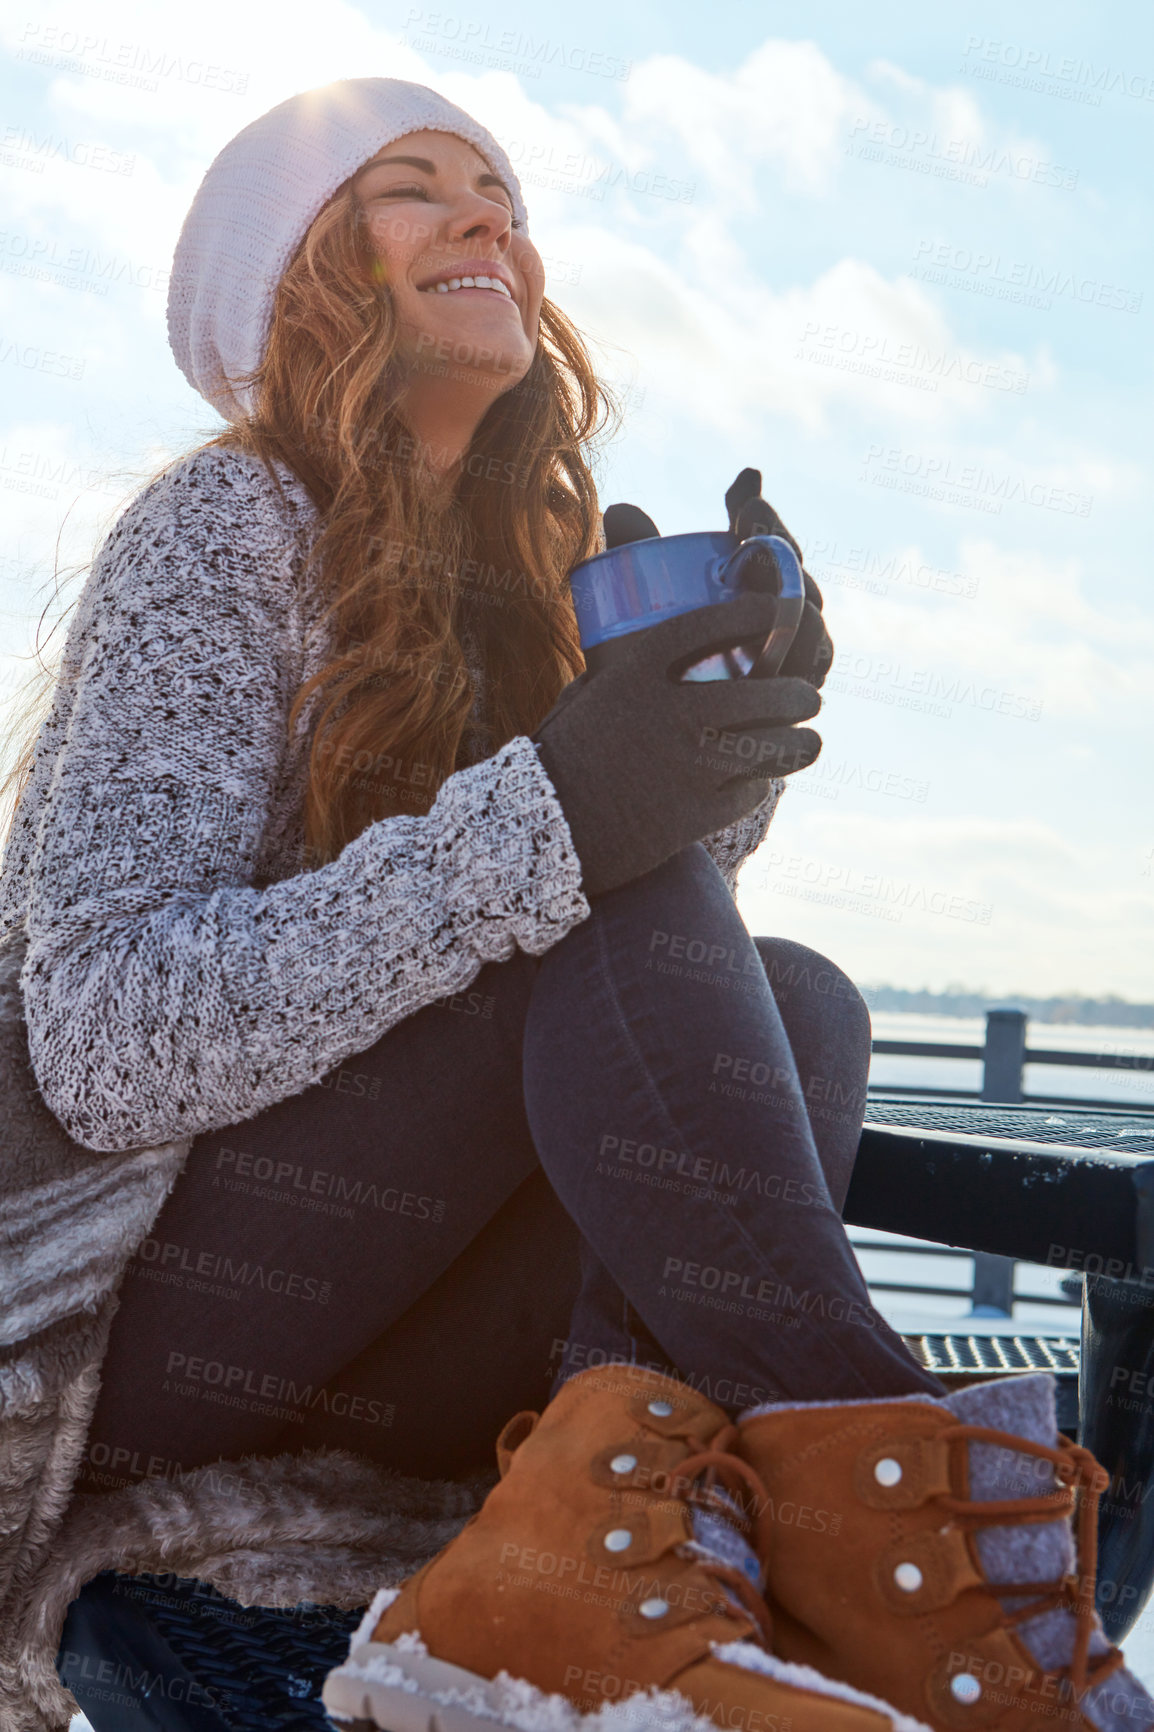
785,106
58,498
717,336
674,283
1014,904
1024,620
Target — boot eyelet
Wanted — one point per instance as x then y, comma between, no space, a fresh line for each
964,1688
618,1540
908,1578
660,1409
887,1471
623,1463
655,1608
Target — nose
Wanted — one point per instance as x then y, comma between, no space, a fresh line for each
481,219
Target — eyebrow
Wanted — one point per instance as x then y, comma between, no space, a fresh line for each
423,163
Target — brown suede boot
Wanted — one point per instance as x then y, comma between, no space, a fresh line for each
924,1551
600,1569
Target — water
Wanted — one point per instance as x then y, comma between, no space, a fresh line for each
1122,1088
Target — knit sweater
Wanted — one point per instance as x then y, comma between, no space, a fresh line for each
183,972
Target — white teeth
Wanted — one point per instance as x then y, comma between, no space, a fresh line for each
444,288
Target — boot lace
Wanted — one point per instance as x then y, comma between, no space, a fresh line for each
1078,1473
719,1464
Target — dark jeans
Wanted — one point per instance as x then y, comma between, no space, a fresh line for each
637,1144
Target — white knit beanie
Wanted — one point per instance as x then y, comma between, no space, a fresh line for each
255,204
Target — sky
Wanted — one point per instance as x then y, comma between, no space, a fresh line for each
898,258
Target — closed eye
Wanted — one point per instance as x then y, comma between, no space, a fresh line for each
423,192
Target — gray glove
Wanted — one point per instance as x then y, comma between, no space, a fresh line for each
811,652
643,765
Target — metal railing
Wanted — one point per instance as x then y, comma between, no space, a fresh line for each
1004,1056
991,1294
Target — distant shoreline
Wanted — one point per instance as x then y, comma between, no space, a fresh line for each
1086,1012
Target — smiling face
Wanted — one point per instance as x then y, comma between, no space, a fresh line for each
437,213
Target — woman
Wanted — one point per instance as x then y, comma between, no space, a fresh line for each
327,860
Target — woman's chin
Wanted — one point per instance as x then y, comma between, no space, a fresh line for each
484,327
470,358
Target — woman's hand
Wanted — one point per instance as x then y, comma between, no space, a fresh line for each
811,652
644,763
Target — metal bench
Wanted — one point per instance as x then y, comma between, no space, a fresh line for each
1057,1184
1069,1188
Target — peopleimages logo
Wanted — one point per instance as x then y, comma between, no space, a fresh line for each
37,360
474,39
926,151
1030,67
880,356
136,64
857,567
45,255
796,874
941,477
40,148
990,274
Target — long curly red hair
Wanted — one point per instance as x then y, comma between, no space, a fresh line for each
400,565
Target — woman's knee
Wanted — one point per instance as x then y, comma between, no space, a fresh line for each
806,983
680,903
827,1023
679,912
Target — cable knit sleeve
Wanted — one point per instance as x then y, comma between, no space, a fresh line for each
165,994
732,846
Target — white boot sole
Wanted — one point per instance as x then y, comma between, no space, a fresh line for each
401,1687
381,1688
400,1691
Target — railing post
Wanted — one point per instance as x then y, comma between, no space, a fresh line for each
993,1293
1005,1053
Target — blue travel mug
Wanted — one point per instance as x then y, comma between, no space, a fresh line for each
643,582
